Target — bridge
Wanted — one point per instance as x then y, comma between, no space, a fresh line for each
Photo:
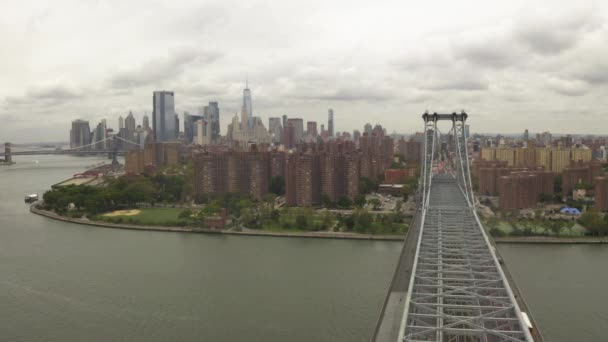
8,152
450,284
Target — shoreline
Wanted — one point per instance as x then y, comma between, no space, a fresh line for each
552,240
317,235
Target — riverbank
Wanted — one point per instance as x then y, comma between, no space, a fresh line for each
249,232
552,240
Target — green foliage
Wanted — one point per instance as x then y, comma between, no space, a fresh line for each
496,232
277,185
360,201
116,194
375,203
557,184
327,202
367,185
363,220
593,223
345,203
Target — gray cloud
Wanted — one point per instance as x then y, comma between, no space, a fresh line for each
568,87
387,59
46,95
157,71
553,34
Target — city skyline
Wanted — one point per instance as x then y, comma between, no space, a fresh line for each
513,65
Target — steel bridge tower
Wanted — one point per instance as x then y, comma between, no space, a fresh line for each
457,290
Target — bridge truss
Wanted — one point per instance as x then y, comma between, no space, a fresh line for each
458,290
85,149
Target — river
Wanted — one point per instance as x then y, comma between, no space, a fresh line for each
66,282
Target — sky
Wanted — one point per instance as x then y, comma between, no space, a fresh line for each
511,65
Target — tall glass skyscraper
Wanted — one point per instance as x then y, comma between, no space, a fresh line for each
247,110
163,116
330,122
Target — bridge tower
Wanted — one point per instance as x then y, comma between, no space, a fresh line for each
7,149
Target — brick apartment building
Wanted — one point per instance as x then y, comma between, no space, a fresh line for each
601,193
579,172
153,155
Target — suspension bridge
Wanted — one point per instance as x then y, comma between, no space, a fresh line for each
450,284
90,149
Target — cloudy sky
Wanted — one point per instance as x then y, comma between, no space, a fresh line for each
511,64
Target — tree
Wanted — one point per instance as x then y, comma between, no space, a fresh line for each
301,221
327,202
375,203
185,214
593,223
360,201
557,184
363,220
367,185
556,226
345,202
277,185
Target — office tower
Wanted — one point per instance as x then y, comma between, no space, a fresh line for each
211,115
176,126
289,135
526,135
246,110
330,122
130,122
275,128
214,111
298,125
201,130
163,117
80,134
284,121
121,122
356,135
368,128
146,122
190,127
322,129
311,128
467,131
99,135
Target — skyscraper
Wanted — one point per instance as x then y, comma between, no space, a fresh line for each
190,127
298,125
80,134
163,117
212,116
246,110
121,122
275,127
526,135
311,128
330,122
130,122
146,122
99,135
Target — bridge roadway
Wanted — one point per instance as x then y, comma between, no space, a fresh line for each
42,152
461,292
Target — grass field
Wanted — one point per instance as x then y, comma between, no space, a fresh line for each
146,216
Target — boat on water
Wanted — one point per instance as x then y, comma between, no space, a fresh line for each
31,198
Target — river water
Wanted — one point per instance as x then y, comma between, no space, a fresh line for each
66,282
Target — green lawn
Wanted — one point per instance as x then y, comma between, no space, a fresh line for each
148,216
